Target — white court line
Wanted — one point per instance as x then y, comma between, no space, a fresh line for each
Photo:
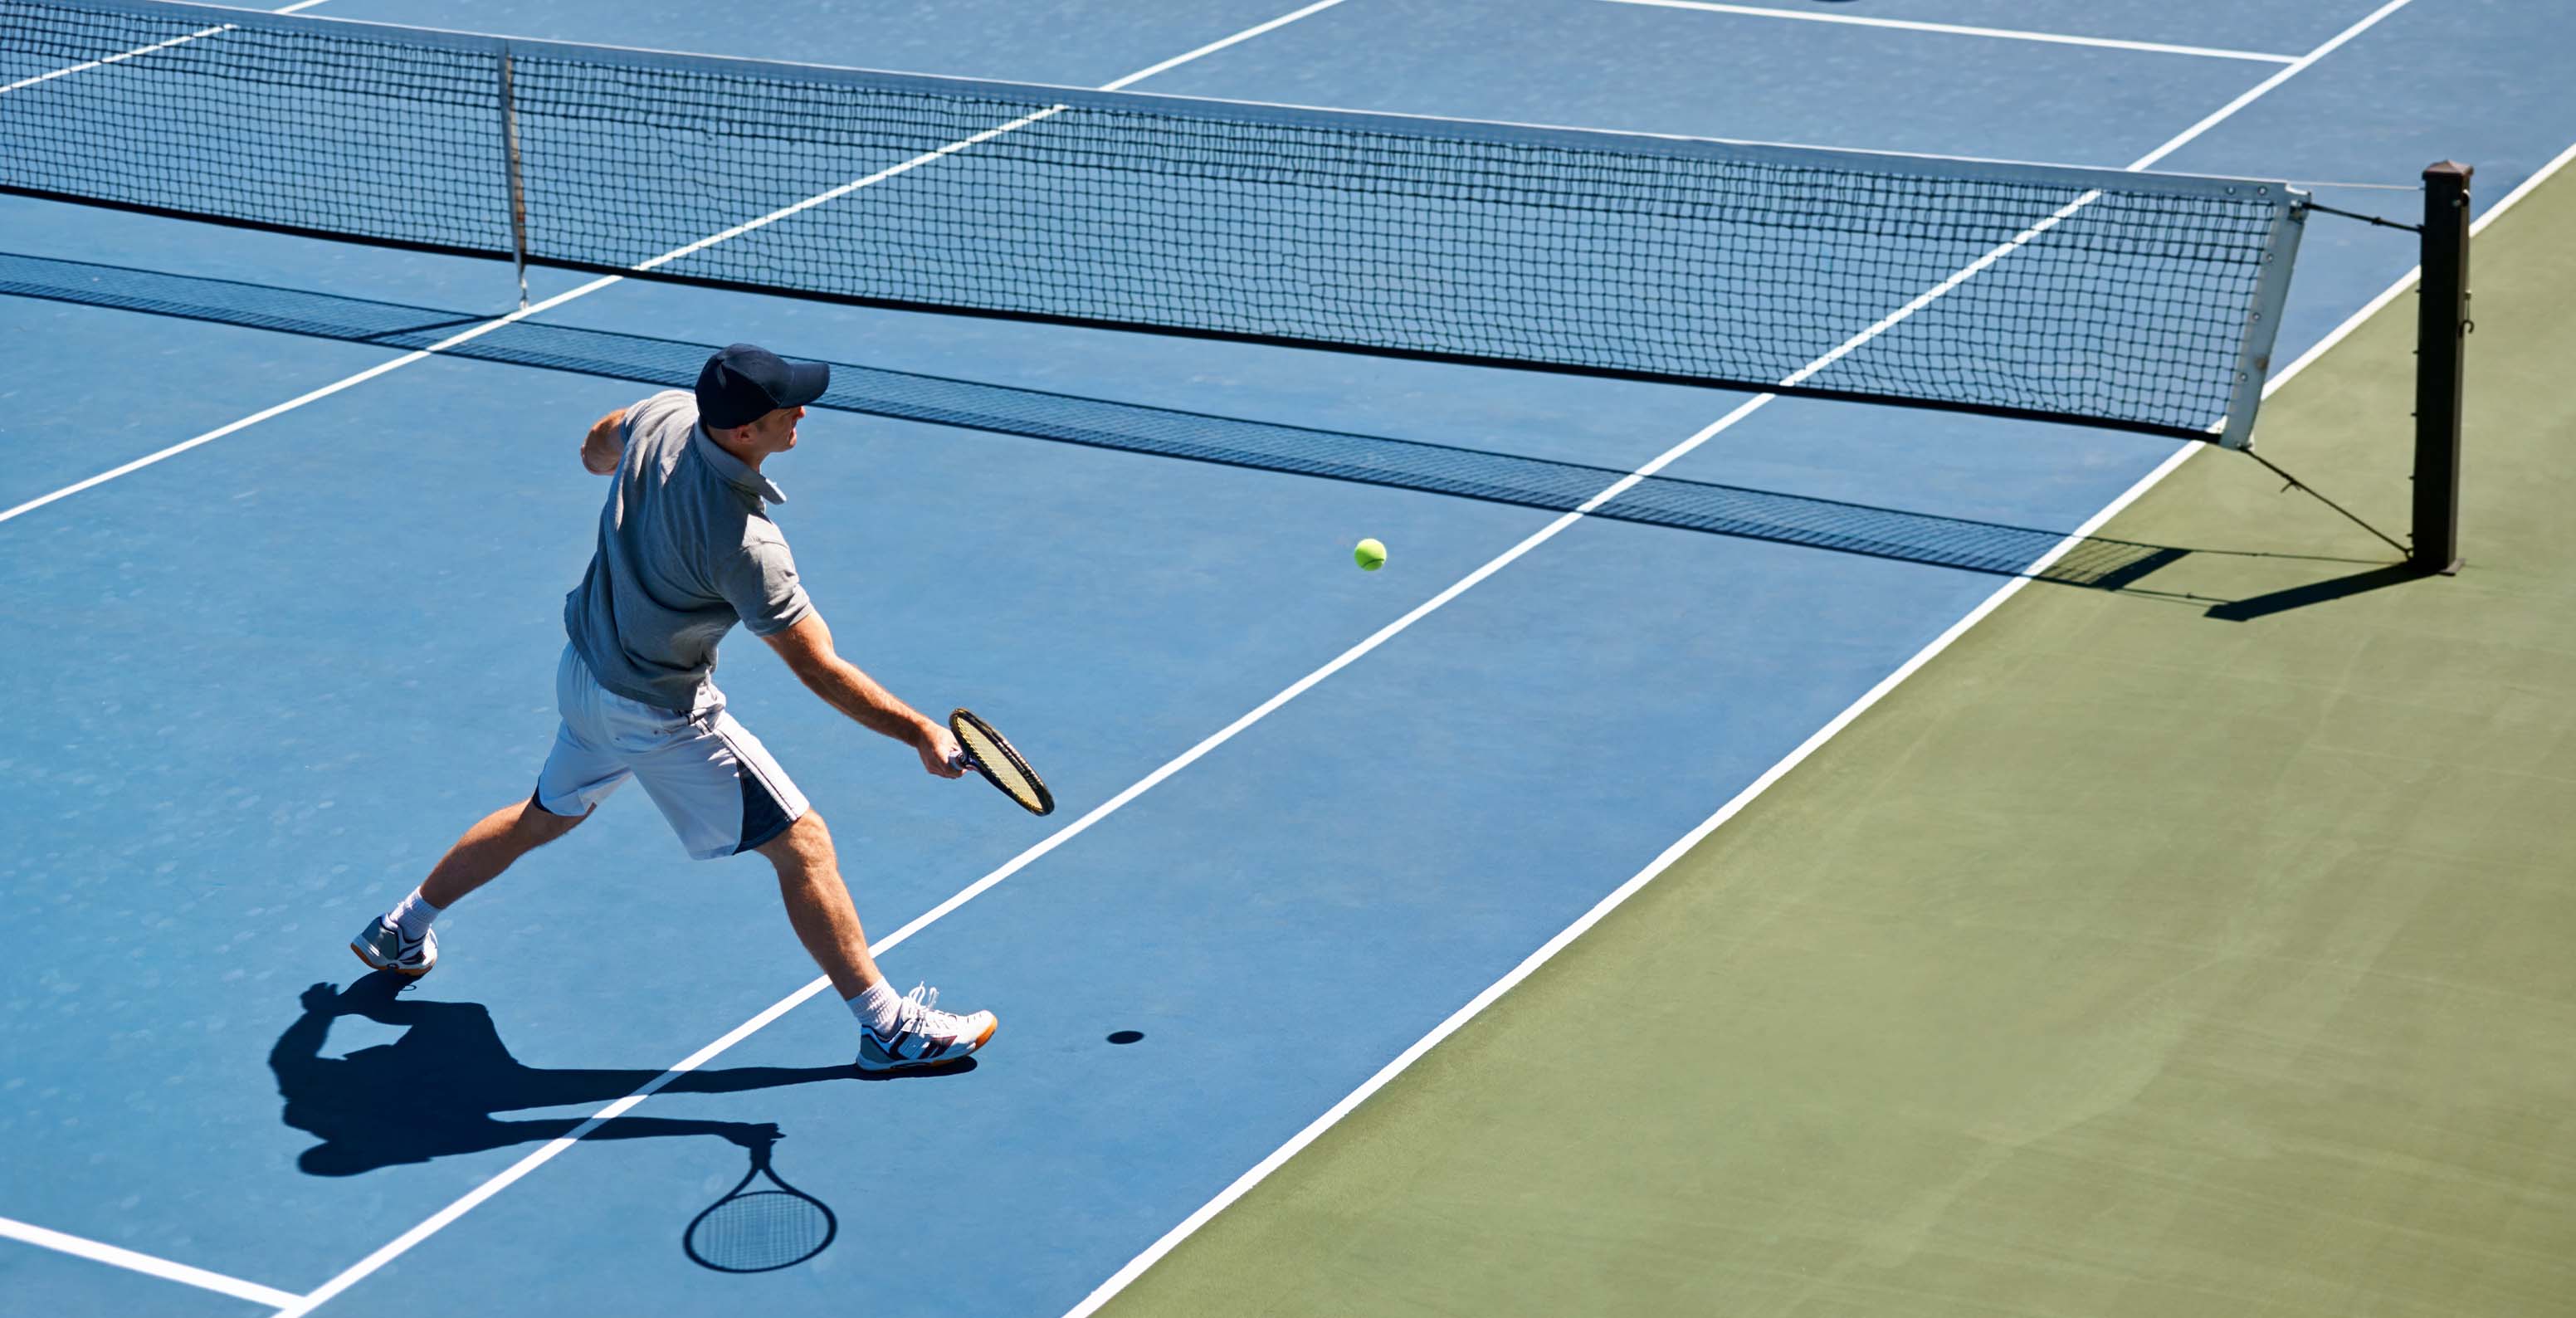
986,136
24,83
305,1304
539,1157
122,55
1954,29
1260,1171
338,1284
1734,806
597,284
145,1263
2407,281
300,400
547,1153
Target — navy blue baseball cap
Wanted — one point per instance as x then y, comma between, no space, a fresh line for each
744,383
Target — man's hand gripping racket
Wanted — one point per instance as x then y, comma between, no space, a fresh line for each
986,752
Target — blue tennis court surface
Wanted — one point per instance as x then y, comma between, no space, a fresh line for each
262,683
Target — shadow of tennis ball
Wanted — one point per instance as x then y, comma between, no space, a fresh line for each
1127,1036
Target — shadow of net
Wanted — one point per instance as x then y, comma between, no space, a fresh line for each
1459,472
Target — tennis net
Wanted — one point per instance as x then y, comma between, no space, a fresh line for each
1442,469
2136,301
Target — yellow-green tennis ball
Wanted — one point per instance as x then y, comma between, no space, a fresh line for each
1369,554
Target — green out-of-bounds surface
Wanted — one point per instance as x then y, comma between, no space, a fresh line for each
2201,947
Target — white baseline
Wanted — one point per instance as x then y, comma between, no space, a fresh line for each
595,285
123,55
1958,30
146,1264
1260,1171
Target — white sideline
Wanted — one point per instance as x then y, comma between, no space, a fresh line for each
1954,29
144,1263
540,1156
143,50
1260,1171
597,284
301,1304
552,1149
304,1304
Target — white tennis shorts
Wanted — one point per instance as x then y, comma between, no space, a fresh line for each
713,780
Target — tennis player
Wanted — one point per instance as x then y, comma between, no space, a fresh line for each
686,550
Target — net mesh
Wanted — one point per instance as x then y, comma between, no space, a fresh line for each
2121,300
759,1230
1443,469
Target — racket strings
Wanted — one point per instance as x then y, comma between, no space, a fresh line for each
759,1230
1001,764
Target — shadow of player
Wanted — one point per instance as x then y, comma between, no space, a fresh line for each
432,1093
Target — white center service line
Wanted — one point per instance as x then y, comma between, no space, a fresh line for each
362,1269
146,1264
1260,1171
1136,1266
595,285
124,55
1958,30
359,1271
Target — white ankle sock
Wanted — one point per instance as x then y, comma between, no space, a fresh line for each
880,1008
411,918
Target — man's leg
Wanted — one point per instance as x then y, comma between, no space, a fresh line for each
903,1031
400,940
818,904
492,845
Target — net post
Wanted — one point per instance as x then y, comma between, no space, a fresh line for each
2442,328
518,187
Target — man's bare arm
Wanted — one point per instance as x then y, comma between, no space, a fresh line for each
605,444
807,648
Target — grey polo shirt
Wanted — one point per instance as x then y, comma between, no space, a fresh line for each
686,549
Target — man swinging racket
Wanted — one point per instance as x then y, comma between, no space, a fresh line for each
687,549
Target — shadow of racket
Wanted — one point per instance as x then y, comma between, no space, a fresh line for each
760,1229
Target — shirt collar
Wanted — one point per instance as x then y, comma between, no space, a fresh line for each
735,471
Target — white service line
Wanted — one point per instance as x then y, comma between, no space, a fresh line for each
296,1306
300,400
1186,758
1213,47
1243,1184
119,56
2407,281
1136,1267
146,1264
123,55
1954,29
305,1304
1227,733
597,284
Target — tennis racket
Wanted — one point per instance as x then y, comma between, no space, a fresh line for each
987,753
760,1230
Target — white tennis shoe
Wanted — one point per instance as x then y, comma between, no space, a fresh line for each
925,1036
383,947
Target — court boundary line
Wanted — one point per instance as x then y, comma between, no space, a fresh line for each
547,1153
1260,1171
119,57
1963,30
1547,951
605,281
288,1302
149,1265
310,1301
